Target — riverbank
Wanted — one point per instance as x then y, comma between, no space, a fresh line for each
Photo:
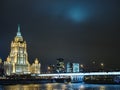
103,79
33,81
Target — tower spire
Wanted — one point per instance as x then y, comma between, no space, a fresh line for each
18,33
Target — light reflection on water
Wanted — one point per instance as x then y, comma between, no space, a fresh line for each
60,86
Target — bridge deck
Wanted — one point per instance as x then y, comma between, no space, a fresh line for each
82,74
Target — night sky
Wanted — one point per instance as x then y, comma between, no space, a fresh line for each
77,30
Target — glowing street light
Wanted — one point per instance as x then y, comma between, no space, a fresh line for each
102,65
81,66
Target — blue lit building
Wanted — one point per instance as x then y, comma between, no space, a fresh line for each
76,67
73,67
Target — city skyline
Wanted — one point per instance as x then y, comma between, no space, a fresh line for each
78,31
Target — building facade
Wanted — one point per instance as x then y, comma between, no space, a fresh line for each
73,67
76,67
17,61
51,69
60,68
69,67
35,67
1,67
8,67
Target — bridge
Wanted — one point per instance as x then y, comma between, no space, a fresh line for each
78,77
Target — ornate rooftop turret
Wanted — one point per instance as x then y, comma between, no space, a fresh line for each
18,37
18,33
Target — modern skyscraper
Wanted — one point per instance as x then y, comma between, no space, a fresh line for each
76,67
18,57
73,67
60,65
69,67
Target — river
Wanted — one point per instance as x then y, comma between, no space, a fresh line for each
60,86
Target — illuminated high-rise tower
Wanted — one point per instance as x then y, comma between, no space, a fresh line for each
60,65
18,57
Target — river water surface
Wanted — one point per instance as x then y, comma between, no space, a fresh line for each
60,86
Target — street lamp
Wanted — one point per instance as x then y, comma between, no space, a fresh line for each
81,66
102,65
